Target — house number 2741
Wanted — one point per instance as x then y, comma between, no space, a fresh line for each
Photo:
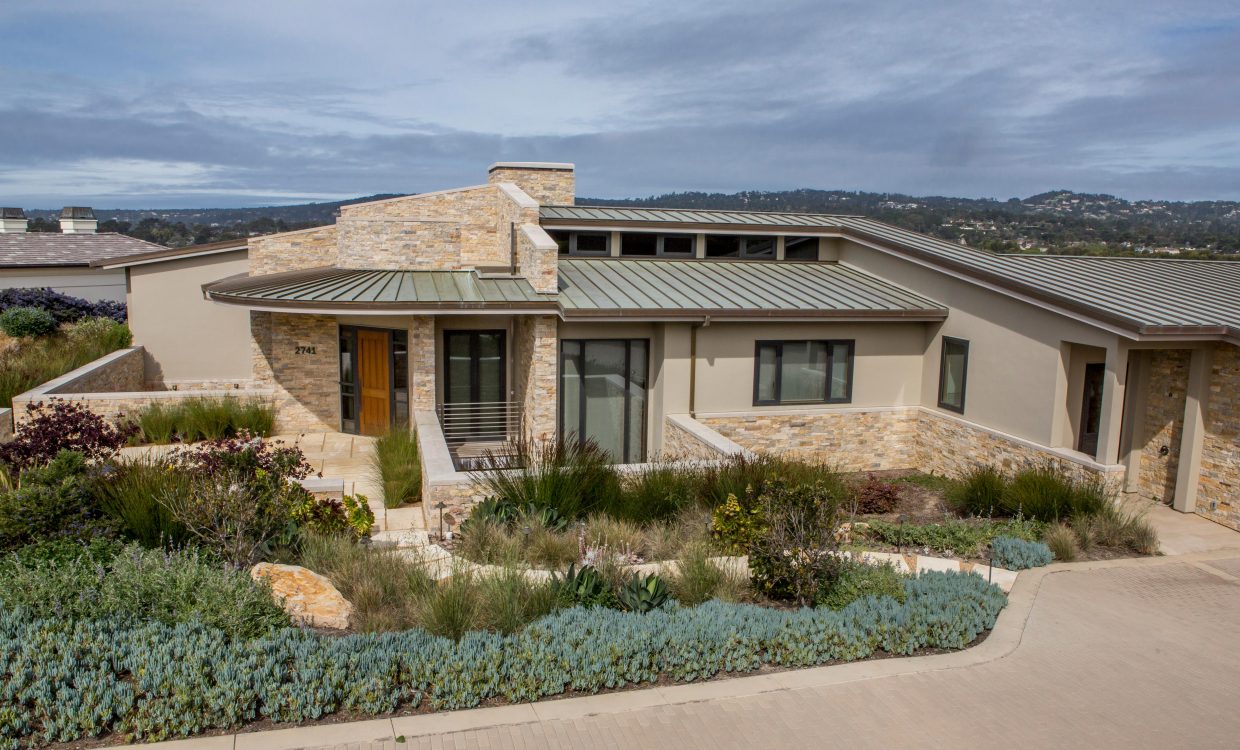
306,350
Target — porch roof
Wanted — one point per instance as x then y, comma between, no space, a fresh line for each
599,287
349,290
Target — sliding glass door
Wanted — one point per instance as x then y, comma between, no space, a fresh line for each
603,386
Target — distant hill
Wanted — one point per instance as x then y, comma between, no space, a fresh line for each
1060,221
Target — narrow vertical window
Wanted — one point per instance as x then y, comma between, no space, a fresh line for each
953,372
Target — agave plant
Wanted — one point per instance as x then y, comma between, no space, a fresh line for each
643,593
543,516
584,586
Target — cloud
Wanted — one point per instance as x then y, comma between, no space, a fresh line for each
251,103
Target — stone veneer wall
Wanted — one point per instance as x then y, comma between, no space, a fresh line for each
306,386
548,185
535,367
422,359
1218,490
448,230
851,439
293,251
680,444
1163,424
898,438
6,425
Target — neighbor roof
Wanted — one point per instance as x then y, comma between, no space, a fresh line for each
172,253
18,249
346,289
605,287
1147,296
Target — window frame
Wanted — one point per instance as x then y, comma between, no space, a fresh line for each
779,344
563,434
964,374
572,243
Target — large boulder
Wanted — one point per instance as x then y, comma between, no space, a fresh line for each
309,598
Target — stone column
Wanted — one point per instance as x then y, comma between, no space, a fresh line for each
537,366
422,359
1191,439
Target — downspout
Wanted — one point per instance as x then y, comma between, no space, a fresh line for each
693,365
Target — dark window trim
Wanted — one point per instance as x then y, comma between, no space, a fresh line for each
662,253
473,334
964,375
572,245
779,344
581,393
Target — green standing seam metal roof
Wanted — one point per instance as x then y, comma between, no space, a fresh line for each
598,288
607,287
350,289
1145,295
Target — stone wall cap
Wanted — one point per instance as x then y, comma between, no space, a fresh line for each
553,165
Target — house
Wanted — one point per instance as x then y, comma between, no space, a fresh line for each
62,261
500,310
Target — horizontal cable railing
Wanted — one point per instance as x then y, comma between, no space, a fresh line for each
482,421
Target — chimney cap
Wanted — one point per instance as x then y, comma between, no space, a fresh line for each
77,212
9,212
552,165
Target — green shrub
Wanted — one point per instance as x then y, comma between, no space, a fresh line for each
574,478
546,548
611,536
452,607
129,493
699,579
206,418
27,322
79,683
50,502
1121,527
1018,554
157,422
397,467
1062,542
979,493
741,473
856,580
965,538
1048,494
793,558
483,540
39,360
254,417
143,585
736,524
509,600
655,492
642,593
384,585
533,517
325,516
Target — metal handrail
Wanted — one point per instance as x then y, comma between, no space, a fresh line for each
481,421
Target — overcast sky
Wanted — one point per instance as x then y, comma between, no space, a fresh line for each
128,103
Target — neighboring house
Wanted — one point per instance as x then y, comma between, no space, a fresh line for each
502,309
188,341
62,261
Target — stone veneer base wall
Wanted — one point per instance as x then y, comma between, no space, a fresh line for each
1163,425
900,438
1218,490
112,387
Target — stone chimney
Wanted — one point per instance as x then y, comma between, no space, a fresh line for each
549,183
12,221
78,220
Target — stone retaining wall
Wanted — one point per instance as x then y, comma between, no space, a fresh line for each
684,438
111,387
901,438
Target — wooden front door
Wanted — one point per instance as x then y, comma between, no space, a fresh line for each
374,365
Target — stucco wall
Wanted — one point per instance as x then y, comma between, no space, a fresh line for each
887,368
189,339
94,284
1015,351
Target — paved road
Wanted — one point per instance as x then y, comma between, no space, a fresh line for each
1124,657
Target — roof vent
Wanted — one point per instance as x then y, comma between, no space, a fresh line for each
78,220
12,220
